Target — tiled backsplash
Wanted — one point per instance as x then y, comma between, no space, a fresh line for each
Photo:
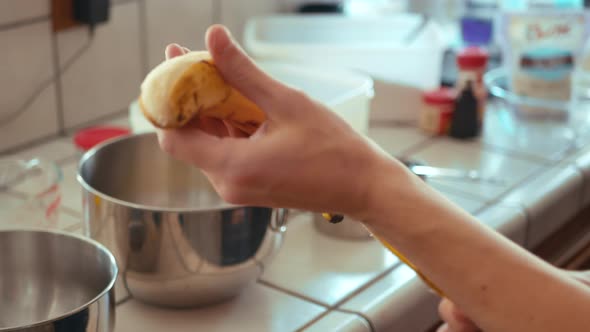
106,77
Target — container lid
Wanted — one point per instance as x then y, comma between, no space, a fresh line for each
441,96
472,57
87,138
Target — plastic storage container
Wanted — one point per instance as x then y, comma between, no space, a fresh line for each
393,48
346,93
400,50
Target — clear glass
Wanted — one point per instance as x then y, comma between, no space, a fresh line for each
566,121
30,194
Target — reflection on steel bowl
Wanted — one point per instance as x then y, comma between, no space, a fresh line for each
55,282
177,243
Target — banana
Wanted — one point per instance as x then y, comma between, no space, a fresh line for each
179,89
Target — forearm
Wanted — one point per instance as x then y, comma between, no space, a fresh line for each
499,285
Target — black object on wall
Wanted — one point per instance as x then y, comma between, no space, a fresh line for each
92,12
318,8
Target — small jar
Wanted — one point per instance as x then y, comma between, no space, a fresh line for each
472,63
437,111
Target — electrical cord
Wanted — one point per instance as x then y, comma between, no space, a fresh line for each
7,118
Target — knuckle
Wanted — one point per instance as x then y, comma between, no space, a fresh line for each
242,178
231,194
290,94
166,143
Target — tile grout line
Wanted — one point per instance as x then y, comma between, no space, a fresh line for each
24,22
216,11
58,83
143,37
314,320
515,154
292,293
459,192
52,138
39,141
364,287
105,118
335,306
407,152
362,316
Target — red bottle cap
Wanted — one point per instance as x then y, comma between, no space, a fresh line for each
472,58
87,138
441,96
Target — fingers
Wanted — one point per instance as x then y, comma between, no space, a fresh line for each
455,320
233,131
212,126
240,71
198,148
174,50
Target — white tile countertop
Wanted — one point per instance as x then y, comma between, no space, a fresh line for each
322,283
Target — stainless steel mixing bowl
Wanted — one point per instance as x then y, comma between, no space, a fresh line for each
55,282
176,241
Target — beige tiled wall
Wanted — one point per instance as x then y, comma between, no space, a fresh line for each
106,77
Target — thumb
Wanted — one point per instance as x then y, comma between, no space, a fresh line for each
454,319
240,71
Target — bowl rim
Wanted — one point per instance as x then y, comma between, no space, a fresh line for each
113,266
151,208
491,79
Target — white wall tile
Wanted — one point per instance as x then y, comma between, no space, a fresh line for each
106,78
17,10
176,21
25,62
235,13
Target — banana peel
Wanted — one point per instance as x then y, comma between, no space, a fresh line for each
180,89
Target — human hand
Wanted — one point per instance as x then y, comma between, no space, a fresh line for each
304,156
456,321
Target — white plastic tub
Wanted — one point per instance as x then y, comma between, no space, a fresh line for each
401,49
346,93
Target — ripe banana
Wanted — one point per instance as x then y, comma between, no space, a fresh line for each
181,88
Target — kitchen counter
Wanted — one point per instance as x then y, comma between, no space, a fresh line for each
322,283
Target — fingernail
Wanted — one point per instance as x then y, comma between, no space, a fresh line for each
223,40
168,51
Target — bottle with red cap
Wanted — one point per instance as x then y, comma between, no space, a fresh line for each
437,111
472,63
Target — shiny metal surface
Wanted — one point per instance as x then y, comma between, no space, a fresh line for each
450,173
51,281
177,242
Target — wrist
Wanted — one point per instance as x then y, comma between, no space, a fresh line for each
389,184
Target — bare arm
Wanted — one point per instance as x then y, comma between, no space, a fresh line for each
306,157
499,285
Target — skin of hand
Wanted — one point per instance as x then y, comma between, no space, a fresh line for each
456,321
305,156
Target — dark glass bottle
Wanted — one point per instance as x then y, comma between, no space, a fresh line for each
465,120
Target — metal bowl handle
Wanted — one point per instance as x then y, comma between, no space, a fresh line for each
279,222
